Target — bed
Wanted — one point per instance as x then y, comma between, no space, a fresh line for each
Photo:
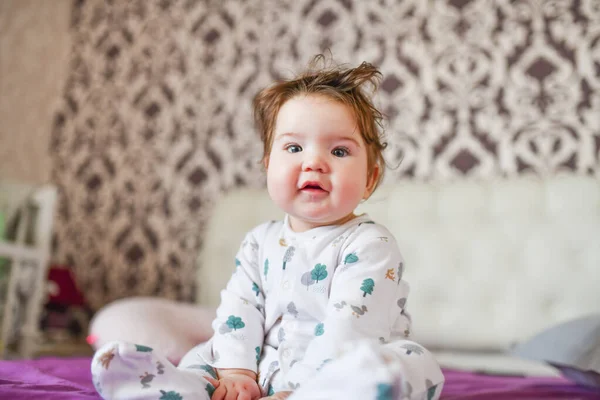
70,379
491,265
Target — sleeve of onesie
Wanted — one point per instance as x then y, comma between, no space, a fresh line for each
239,324
366,301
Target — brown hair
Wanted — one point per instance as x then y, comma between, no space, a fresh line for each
345,85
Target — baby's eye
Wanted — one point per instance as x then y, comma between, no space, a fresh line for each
340,152
293,148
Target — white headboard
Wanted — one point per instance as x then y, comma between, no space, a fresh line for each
489,263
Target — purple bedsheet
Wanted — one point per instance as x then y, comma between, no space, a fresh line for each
70,378
47,378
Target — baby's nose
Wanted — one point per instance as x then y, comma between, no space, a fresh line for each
315,162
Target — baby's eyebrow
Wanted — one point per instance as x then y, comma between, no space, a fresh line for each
288,135
335,137
350,139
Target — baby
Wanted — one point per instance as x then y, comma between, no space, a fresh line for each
316,306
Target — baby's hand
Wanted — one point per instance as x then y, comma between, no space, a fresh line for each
278,396
235,385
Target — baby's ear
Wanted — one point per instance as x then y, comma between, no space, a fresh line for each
371,182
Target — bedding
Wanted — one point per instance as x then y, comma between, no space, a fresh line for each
70,379
572,347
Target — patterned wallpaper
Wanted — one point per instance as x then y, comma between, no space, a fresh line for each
156,120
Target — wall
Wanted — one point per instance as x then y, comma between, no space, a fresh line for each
35,44
155,122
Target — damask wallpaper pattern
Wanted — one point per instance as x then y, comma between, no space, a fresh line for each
156,120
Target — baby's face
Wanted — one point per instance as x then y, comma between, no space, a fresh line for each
317,168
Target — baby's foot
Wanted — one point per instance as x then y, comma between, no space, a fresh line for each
123,370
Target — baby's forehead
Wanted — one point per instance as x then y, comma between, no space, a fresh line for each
304,111
326,136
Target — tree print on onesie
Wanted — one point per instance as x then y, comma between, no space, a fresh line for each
367,287
289,254
234,327
170,395
314,280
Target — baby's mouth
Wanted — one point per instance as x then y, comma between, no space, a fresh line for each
312,187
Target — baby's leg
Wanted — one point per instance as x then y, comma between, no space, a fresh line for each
361,373
421,375
123,370
397,371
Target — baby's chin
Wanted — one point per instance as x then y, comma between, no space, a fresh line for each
307,222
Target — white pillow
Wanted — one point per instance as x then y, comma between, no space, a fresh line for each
170,328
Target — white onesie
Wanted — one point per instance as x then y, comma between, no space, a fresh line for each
297,300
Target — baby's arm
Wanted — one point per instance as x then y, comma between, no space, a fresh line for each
365,300
239,325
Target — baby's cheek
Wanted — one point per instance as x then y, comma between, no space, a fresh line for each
351,193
